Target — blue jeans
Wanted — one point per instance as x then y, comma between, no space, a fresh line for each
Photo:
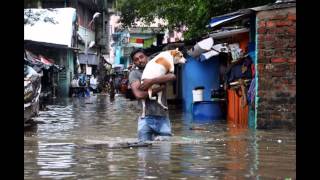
151,126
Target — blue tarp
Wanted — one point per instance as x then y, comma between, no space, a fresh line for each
222,19
218,20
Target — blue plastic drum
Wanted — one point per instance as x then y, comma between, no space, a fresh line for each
206,111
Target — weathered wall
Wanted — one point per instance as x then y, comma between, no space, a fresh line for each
276,52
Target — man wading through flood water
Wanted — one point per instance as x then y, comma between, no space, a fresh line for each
156,124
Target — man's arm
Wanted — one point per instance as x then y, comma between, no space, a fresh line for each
158,80
141,94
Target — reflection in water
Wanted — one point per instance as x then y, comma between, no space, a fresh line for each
72,140
55,158
154,162
237,152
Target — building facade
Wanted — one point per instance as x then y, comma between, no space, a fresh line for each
89,38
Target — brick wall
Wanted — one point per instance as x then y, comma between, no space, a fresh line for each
276,58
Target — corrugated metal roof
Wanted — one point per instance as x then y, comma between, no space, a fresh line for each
220,20
275,6
243,13
226,18
227,33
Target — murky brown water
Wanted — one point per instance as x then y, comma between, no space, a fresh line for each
65,145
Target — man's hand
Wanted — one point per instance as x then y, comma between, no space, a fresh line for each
158,80
146,84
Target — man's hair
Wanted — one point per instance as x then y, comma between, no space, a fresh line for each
136,51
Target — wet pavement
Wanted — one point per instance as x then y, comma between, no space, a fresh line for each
71,140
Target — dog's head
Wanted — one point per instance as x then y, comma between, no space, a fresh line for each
178,56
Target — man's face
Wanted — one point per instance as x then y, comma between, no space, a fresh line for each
140,59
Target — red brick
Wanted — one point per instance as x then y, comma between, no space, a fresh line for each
279,60
292,17
292,87
292,65
283,37
275,116
261,54
261,67
261,45
270,24
291,31
279,44
277,87
292,81
279,31
264,60
269,66
264,85
279,52
285,81
262,93
262,30
269,44
282,68
260,57
279,17
291,44
277,74
289,74
292,60
262,24
261,37
283,23
285,52
269,37
269,53
271,30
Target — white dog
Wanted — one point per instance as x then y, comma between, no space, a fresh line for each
162,64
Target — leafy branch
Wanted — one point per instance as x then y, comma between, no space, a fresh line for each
193,14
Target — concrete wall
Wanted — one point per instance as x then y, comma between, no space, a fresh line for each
276,58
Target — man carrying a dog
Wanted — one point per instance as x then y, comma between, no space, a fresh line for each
156,123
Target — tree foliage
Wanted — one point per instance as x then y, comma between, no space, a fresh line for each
31,17
194,14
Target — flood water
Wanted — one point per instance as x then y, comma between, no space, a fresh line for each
69,141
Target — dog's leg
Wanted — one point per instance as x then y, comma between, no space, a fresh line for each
150,94
143,101
159,100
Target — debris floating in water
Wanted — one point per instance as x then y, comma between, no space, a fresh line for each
197,128
115,145
279,141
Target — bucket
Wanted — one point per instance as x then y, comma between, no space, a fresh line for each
205,111
197,93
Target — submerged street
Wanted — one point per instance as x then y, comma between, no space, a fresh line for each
72,138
